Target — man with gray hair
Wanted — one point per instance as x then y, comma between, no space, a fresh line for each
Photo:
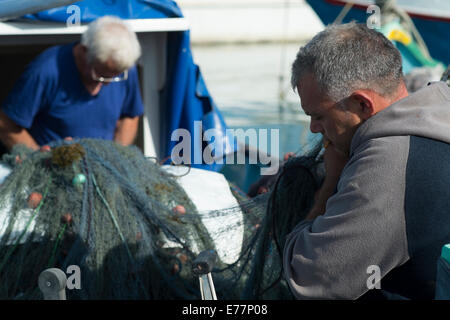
381,215
81,90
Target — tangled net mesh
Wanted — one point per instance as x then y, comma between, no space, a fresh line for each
110,210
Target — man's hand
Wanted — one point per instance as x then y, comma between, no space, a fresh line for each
126,130
334,161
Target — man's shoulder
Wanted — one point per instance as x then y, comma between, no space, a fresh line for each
49,61
133,79
424,113
381,158
389,144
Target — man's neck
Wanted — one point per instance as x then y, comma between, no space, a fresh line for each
384,102
401,93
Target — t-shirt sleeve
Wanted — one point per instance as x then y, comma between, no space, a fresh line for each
133,101
26,98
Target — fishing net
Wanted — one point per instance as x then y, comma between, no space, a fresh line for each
132,229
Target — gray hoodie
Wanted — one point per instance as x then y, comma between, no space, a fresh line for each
391,210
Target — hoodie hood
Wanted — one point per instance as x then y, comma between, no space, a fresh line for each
408,117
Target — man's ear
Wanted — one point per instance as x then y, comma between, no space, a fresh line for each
364,102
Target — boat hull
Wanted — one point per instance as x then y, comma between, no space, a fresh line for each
434,30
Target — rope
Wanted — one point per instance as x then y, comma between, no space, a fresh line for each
390,6
58,240
111,214
281,90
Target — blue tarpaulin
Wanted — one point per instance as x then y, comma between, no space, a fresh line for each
185,98
125,9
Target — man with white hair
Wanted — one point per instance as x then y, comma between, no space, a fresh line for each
380,218
88,89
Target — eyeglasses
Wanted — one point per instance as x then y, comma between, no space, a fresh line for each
121,77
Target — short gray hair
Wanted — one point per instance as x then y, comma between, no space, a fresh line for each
346,57
110,38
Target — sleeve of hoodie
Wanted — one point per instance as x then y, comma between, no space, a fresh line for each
364,225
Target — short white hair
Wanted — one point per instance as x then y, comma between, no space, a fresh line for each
110,38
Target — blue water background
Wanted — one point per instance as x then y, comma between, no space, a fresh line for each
250,84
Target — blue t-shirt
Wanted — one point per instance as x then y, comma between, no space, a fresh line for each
50,100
